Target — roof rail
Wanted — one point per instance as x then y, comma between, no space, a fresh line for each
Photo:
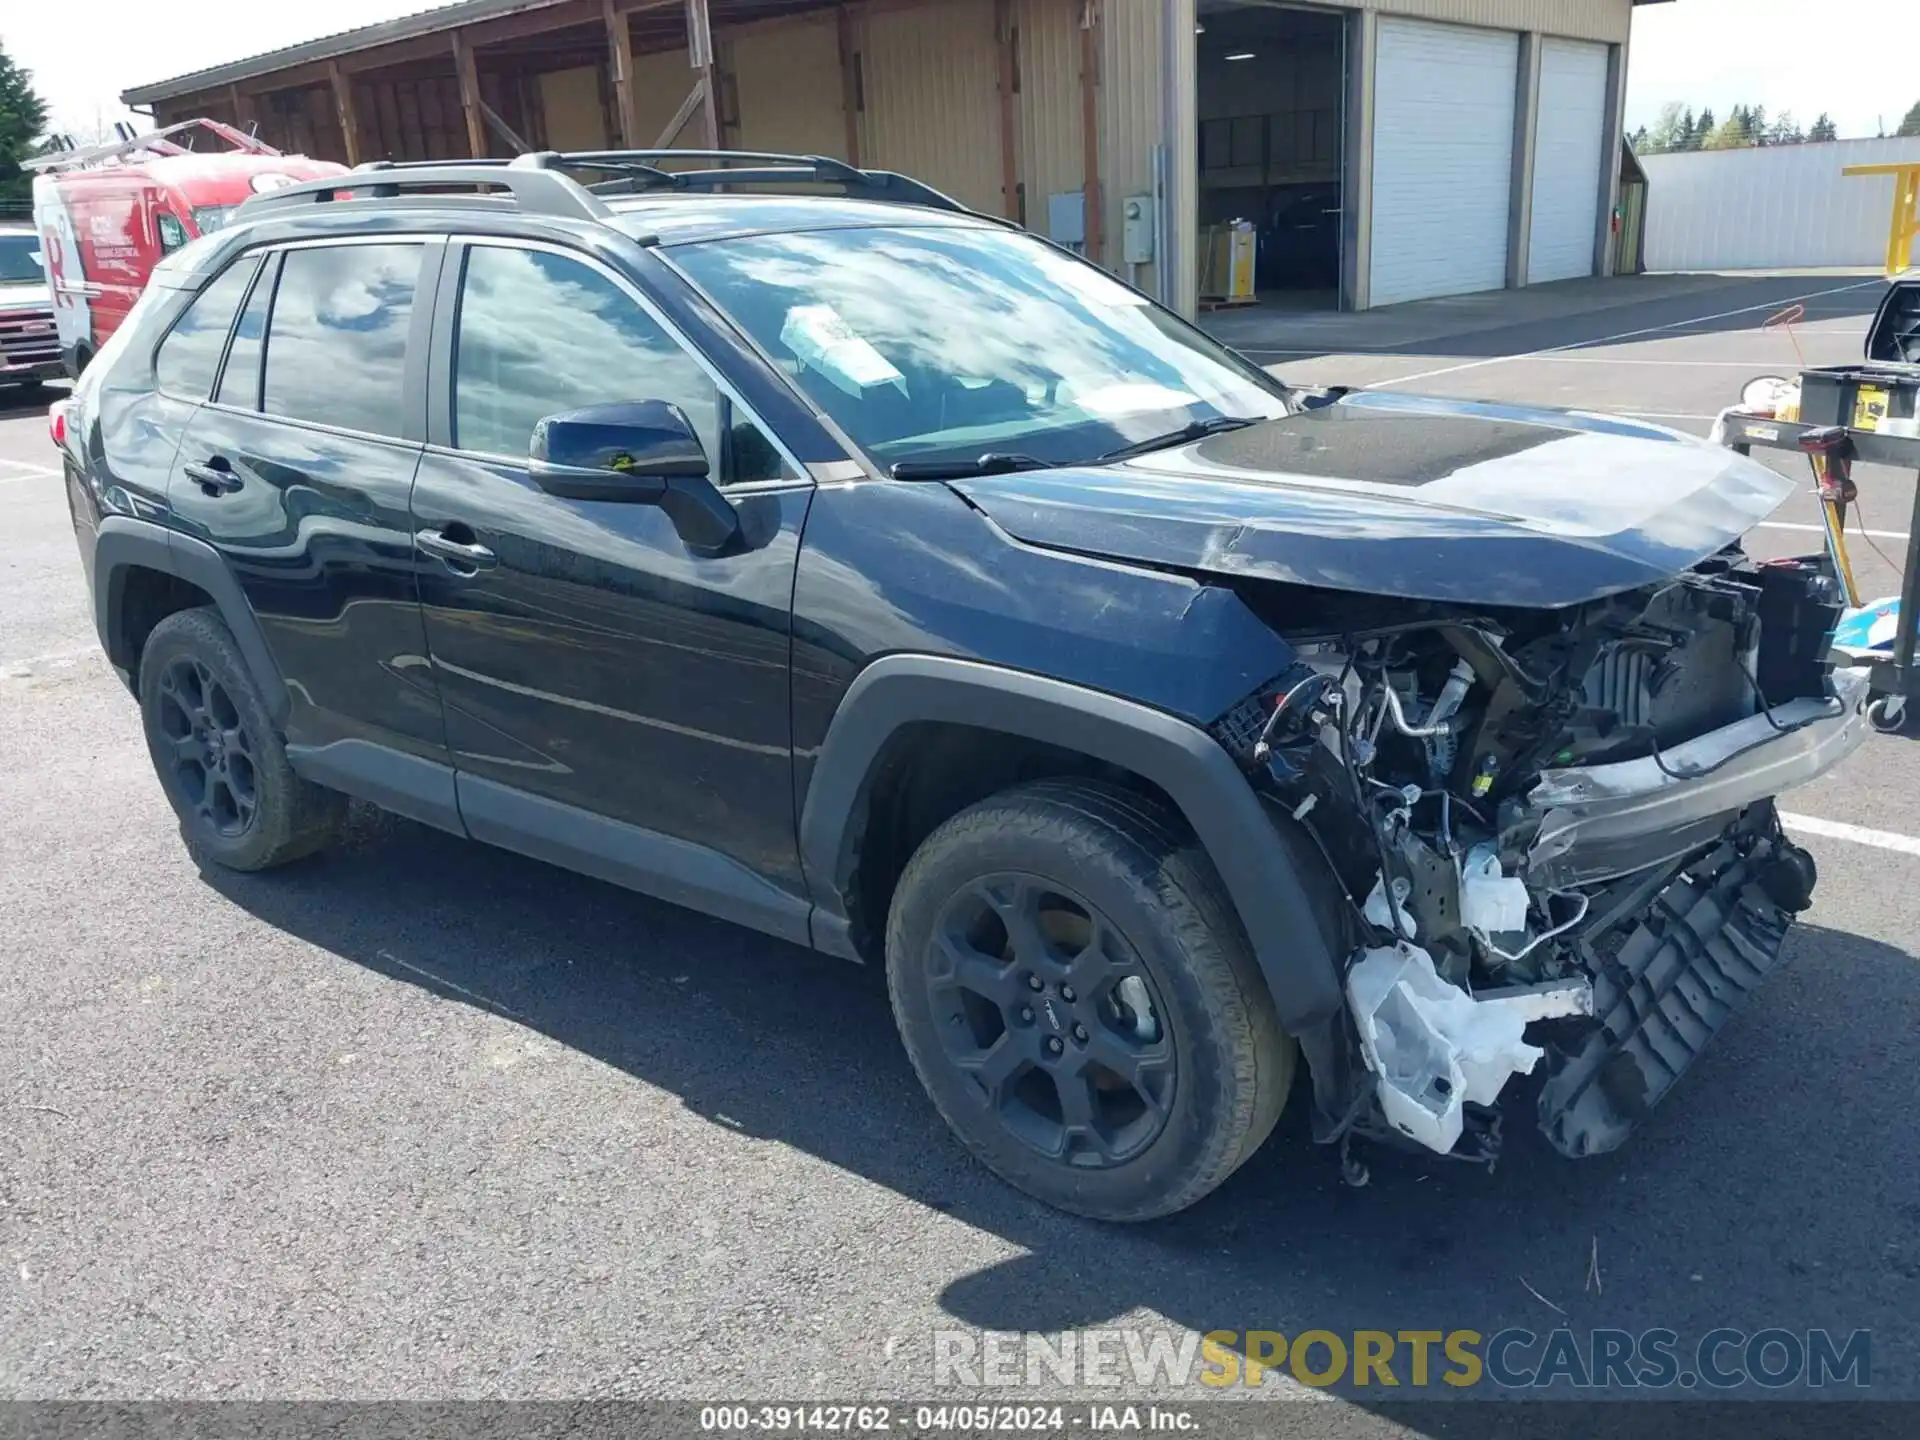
534,186
643,172
537,182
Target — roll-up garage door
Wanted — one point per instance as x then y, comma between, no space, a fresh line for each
1442,159
1569,137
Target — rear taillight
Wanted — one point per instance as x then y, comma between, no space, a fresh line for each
57,423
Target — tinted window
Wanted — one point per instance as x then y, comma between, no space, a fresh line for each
240,380
337,342
540,334
191,352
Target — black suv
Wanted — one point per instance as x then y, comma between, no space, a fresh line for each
783,540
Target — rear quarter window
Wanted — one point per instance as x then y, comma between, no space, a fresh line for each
189,357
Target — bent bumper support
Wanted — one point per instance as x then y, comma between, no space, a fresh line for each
1599,822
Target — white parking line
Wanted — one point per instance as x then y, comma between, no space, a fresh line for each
1900,535
1857,834
1623,335
30,472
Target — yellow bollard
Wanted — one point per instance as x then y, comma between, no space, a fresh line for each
1905,224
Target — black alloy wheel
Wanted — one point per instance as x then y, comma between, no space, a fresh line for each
1079,999
211,753
220,757
1049,1011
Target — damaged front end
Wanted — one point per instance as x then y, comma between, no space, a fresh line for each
1556,831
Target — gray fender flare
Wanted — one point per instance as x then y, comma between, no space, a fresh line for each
1260,870
124,543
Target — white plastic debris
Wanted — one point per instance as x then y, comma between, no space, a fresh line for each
1434,1047
1376,910
1491,902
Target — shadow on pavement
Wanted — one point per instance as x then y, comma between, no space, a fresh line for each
1775,1188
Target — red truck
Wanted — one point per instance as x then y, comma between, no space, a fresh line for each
109,213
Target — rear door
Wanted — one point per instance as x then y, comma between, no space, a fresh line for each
297,469
616,700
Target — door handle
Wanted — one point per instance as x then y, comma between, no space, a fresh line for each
463,557
216,476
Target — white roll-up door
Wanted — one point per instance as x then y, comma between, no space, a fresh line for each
1569,140
1442,159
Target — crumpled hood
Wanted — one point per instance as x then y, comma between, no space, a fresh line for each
1408,496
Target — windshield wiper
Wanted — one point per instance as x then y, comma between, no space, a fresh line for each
994,462
1195,430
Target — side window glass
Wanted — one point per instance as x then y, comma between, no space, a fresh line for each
172,233
540,333
240,380
188,357
337,337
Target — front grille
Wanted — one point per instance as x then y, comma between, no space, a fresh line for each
27,337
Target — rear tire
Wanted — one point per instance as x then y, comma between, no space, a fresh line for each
220,760
1078,998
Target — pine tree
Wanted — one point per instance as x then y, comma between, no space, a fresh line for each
1702,130
1911,125
1823,129
22,117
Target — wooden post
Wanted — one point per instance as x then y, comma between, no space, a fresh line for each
469,77
620,65
1090,128
700,57
244,116
852,101
1009,137
343,110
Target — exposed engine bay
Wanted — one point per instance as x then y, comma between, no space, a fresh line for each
1555,833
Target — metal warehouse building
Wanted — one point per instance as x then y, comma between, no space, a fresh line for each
1384,151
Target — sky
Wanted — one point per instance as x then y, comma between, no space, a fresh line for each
1847,57
1854,59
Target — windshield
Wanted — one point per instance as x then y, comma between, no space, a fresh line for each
950,343
20,259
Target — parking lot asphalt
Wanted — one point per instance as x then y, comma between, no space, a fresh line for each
421,1119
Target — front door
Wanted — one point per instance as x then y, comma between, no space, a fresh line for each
298,470
615,699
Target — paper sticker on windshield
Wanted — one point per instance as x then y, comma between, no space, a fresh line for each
1131,397
823,341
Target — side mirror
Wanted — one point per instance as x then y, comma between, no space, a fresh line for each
639,452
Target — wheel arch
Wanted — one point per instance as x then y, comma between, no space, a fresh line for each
124,547
1259,868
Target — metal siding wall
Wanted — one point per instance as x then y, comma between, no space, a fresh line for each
1580,19
1782,206
787,76
1052,146
1130,96
931,75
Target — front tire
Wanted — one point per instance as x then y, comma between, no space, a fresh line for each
1078,998
220,760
